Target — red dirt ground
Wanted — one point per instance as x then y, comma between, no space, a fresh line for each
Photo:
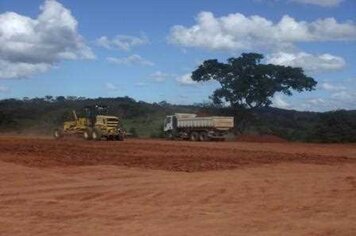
156,187
261,139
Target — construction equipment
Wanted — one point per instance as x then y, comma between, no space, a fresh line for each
94,125
190,126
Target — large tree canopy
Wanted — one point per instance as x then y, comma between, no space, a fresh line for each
245,82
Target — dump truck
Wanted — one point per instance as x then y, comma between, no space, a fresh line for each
95,124
195,128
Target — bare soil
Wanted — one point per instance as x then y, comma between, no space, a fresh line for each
261,139
157,187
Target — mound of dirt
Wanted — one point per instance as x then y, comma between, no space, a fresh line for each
266,138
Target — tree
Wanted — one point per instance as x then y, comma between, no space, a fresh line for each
247,83
60,99
48,98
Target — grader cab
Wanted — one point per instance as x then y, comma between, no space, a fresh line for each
95,124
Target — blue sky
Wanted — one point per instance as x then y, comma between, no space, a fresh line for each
147,49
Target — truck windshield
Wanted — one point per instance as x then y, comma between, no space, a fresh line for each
168,120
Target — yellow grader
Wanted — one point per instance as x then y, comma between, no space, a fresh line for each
94,125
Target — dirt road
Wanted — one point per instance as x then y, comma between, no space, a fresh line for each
150,187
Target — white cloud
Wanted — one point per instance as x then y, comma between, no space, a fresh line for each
130,60
30,46
344,95
345,99
314,104
111,86
11,70
331,87
279,102
140,84
122,42
323,3
309,62
351,80
4,89
159,76
240,32
186,79
339,95
316,101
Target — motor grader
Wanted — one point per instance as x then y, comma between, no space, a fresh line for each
94,125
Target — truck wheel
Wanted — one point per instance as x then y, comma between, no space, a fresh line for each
120,137
169,135
96,134
87,134
57,133
203,136
194,136
220,139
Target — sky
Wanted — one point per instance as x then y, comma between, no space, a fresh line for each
147,49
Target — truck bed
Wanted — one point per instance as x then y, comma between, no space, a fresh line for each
216,122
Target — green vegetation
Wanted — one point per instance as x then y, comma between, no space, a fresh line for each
42,115
336,126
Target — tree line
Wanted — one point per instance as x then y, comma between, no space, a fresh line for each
42,115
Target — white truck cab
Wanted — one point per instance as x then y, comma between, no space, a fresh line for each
168,124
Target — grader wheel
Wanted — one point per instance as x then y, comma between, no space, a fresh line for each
96,134
88,134
57,133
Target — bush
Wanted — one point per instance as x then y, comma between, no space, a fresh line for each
133,132
336,127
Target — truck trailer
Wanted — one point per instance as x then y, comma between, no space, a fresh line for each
195,128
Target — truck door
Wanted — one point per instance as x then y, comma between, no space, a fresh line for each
168,124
